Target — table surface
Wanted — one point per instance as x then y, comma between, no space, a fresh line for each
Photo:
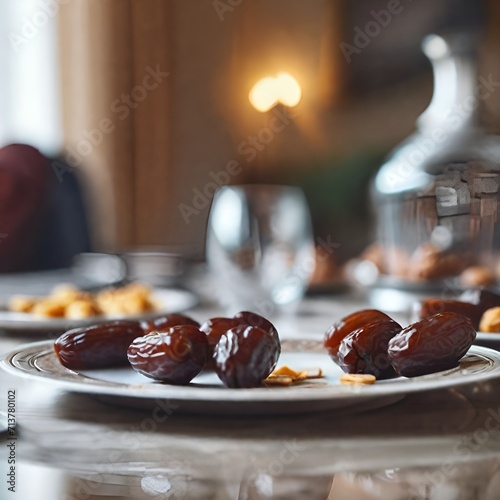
436,445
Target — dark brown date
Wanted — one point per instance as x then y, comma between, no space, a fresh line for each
245,356
214,328
165,322
432,307
253,319
365,349
340,329
99,346
472,304
175,356
482,298
431,345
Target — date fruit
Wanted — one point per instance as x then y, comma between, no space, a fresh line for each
431,345
246,355
472,304
344,327
253,319
365,349
99,346
165,322
432,307
484,299
175,356
214,328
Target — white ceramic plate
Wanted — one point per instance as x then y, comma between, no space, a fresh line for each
205,394
170,300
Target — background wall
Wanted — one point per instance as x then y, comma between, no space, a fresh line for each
156,110
153,158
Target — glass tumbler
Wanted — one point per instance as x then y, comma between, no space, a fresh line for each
260,247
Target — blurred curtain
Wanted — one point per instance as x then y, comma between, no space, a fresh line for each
168,148
29,83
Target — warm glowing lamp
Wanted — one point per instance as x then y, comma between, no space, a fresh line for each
290,91
270,91
264,94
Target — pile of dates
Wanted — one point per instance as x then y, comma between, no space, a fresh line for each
243,350
371,342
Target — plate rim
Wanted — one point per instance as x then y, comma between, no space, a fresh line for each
401,386
495,336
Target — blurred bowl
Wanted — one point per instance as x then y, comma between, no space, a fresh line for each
100,268
155,267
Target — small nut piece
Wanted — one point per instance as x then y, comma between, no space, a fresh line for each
82,309
285,371
22,304
357,379
314,373
67,294
301,376
284,376
490,321
278,380
49,308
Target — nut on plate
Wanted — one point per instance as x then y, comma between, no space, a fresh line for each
279,380
67,301
49,308
22,304
82,309
357,379
490,321
285,376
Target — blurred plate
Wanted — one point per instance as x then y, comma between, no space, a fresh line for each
169,300
488,340
330,287
206,394
157,268
398,283
43,282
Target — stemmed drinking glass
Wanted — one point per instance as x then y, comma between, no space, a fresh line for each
260,247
